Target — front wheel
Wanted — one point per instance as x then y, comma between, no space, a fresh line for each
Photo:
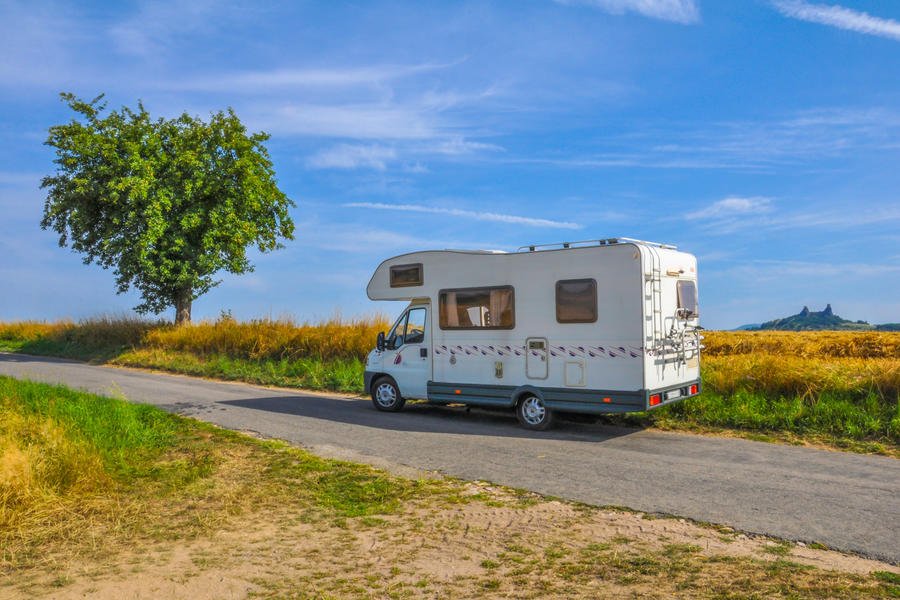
533,414
386,395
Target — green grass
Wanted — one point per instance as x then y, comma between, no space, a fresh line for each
70,460
863,423
126,437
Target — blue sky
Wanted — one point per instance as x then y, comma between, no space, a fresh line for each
762,136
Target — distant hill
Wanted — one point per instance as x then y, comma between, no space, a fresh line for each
807,320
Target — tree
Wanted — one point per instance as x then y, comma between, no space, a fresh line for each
166,203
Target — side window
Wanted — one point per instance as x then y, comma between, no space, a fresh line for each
407,275
415,326
576,301
687,299
477,308
398,332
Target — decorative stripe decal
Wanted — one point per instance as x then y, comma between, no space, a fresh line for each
556,351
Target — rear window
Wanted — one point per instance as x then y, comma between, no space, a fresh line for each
477,308
687,299
406,275
576,301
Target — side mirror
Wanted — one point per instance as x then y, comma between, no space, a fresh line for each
379,342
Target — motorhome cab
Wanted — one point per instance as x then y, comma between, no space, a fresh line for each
605,326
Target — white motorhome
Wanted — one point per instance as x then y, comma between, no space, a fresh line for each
604,326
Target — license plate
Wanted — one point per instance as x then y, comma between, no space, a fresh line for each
673,394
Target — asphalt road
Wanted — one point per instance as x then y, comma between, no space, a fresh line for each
847,501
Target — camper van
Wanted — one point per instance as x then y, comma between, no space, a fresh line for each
591,327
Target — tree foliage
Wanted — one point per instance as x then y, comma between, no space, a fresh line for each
166,203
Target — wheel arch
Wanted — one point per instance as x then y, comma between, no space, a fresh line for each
375,376
526,390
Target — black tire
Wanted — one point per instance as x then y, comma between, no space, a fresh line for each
386,395
533,414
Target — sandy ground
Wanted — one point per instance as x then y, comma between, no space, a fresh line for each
458,550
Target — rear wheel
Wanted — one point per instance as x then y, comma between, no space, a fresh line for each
386,395
533,414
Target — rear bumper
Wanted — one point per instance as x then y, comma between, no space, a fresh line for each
671,394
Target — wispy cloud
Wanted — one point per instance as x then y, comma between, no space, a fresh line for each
36,41
381,121
747,145
351,238
777,269
837,219
153,28
349,156
733,206
840,17
469,214
379,157
281,79
458,145
757,213
678,11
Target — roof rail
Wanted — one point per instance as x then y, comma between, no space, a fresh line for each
585,243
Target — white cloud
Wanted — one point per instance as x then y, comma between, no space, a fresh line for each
458,145
266,80
468,214
353,121
733,206
156,24
757,214
352,238
35,43
678,11
760,145
348,156
840,17
779,269
840,220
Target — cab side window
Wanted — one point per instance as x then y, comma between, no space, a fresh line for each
415,326
397,332
409,329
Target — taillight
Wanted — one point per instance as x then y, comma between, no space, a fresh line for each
655,399
693,389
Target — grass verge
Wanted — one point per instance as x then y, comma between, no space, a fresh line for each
105,498
73,464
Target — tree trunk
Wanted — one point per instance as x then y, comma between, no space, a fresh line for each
183,307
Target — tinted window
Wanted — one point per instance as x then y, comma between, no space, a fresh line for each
687,298
477,308
406,275
576,301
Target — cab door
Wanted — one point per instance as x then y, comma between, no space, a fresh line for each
408,357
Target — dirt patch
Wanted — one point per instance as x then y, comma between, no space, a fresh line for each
494,543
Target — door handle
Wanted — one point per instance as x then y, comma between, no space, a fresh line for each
423,352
